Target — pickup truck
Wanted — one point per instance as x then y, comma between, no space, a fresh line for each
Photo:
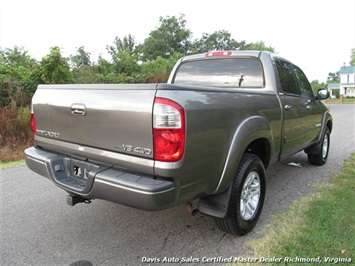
207,136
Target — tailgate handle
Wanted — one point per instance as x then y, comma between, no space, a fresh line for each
78,109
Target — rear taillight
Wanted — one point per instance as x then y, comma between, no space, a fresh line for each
33,122
168,130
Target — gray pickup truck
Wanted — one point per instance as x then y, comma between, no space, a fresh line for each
206,136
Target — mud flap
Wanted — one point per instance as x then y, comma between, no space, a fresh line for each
215,205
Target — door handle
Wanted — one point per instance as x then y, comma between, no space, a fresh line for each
288,107
78,109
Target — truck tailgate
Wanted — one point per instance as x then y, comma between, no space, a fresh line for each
108,117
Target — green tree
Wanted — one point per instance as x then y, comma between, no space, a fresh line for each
81,58
158,71
352,57
124,67
128,44
54,68
333,77
87,74
316,86
17,77
217,41
104,66
169,37
83,70
260,46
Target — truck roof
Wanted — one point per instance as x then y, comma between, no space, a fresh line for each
227,53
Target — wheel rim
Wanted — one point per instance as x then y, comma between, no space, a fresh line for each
325,146
249,199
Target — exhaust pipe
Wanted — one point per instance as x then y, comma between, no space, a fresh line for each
191,207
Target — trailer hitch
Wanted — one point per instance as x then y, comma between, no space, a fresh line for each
73,200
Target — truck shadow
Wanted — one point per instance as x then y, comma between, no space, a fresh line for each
174,232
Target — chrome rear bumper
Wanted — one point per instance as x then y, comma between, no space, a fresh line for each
99,181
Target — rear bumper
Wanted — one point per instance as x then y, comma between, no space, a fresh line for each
99,181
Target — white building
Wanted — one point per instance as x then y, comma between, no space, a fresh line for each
347,81
332,88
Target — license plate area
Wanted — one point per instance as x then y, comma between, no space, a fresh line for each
79,172
74,174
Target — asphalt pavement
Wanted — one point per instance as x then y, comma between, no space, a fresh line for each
39,228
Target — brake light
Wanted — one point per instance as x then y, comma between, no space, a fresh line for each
33,122
168,130
218,53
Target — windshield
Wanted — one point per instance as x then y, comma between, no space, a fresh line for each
221,72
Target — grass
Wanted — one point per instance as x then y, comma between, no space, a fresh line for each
11,164
321,225
339,101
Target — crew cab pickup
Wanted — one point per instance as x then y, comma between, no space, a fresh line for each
206,136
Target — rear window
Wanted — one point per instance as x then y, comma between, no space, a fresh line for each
222,72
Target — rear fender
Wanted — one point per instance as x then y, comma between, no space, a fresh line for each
251,129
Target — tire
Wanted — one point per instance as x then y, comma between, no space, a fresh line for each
247,197
319,153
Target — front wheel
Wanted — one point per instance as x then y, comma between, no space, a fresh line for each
247,197
319,154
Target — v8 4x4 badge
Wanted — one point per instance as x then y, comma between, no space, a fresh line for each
130,148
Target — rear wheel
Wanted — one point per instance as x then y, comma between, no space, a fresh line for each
319,153
247,197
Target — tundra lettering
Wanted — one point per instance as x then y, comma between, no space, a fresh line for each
48,133
203,140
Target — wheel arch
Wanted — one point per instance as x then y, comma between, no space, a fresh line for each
327,124
330,125
261,147
255,136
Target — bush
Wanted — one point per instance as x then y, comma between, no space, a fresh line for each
15,133
157,71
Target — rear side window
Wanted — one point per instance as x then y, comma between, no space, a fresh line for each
222,72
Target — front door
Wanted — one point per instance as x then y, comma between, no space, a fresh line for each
313,106
294,109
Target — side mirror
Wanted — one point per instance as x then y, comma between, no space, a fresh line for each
323,94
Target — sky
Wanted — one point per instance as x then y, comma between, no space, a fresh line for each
316,35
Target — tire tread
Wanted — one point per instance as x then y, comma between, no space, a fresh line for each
230,224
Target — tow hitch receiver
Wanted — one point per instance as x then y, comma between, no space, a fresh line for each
72,200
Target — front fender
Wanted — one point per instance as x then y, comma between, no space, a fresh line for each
327,122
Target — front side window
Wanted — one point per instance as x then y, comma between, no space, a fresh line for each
287,78
305,87
222,72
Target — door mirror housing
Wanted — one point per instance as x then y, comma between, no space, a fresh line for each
323,94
